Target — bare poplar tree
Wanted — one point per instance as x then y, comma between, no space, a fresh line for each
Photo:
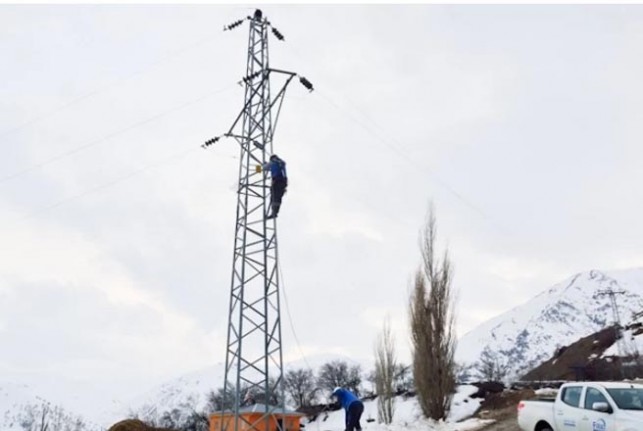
432,321
385,372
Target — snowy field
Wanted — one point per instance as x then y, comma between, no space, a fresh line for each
631,345
408,416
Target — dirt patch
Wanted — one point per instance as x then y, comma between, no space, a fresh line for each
506,399
134,425
507,423
502,409
582,360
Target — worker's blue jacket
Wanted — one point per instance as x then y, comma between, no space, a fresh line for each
345,397
277,168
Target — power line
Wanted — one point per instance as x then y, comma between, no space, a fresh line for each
121,179
418,167
111,135
346,98
421,168
292,326
395,148
102,88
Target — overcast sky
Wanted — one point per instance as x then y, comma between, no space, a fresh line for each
521,124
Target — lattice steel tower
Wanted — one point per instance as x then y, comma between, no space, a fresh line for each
621,343
253,364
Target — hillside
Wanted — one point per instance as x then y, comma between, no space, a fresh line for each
531,333
599,356
523,337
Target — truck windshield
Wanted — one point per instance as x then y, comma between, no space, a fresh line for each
627,399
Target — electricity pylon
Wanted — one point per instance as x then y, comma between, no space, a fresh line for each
621,343
254,363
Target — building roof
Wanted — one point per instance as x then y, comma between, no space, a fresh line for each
262,408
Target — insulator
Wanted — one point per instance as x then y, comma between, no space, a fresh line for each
306,83
258,14
233,25
249,78
211,141
277,34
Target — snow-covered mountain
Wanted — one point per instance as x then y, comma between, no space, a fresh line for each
523,337
530,333
183,395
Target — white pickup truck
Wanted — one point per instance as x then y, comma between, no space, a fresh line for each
586,406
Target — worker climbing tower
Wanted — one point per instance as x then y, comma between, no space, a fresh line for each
253,363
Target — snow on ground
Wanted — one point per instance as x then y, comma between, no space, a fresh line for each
546,392
631,345
462,405
408,416
528,334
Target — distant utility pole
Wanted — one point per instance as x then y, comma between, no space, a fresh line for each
611,293
253,361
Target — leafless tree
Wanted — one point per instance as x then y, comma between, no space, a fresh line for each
492,366
385,368
432,320
223,400
403,380
299,384
44,421
338,373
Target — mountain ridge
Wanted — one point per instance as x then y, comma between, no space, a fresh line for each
523,337
529,333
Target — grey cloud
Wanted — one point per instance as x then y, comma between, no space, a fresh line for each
519,122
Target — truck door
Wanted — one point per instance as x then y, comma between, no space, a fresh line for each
592,420
567,410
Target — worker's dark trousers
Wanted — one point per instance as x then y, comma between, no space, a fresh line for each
353,415
277,190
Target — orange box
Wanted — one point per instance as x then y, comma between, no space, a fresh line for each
253,418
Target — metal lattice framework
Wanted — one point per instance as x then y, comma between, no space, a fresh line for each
254,363
621,344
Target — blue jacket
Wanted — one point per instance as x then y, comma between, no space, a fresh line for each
277,168
345,397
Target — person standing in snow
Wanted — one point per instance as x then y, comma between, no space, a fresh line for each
277,168
353,407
